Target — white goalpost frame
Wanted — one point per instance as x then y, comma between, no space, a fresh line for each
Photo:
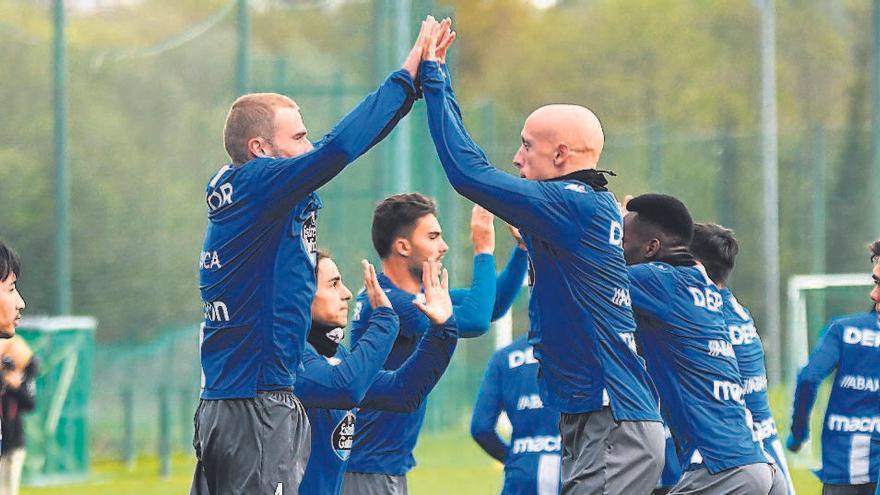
798,338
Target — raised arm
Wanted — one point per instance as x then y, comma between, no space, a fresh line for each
342,383
473,306
286,181
822,361
535,206
486,411
510,280
404,389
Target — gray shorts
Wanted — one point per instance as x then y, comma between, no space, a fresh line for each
246,446
601,455
865,489
752,479
373,484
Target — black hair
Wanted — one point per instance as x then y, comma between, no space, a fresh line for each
396,216
716,248
874,249
668,214
9,262
320,254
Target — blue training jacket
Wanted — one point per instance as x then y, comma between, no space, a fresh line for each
385,441
330,389
532,458
582,326
256,269
685,341
851,344
750,358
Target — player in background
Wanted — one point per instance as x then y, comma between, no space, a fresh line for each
671,468
257,281
715,247
848,344
532,458
335,380
685,341
11,302
581,324
406,233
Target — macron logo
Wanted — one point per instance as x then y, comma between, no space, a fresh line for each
579,188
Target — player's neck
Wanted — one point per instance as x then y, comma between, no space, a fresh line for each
400,275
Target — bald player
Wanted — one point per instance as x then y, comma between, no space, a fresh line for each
581,321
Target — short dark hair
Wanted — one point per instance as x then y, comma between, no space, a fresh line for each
9,262
874,249
396,216
716,248
320,254
666,213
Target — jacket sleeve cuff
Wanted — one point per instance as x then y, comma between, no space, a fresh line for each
402,77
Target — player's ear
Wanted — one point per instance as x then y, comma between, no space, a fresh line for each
561,154
257,147
652,248
402,247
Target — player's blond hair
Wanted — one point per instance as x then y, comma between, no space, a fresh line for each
251,115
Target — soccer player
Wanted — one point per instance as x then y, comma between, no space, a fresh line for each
581,323
850,464
684,339
406,233
257,281
715,247
11,302
335,381
532,458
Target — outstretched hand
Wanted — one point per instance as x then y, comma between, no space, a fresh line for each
438,305
445,37
375,294
411,64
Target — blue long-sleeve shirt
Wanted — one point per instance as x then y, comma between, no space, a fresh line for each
582,325
330,389
532,458
750,359
385,441
851,344
256,269
687,346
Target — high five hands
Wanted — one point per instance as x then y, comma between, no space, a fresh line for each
432,43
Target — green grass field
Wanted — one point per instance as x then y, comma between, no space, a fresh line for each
444,461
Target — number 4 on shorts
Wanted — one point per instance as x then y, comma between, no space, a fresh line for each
279,489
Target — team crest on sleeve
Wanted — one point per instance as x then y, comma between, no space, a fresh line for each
310,235
342,436
358,307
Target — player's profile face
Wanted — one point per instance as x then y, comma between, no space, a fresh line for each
426,242
633,244
875,292
11,306
291,137
330,305
534,158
